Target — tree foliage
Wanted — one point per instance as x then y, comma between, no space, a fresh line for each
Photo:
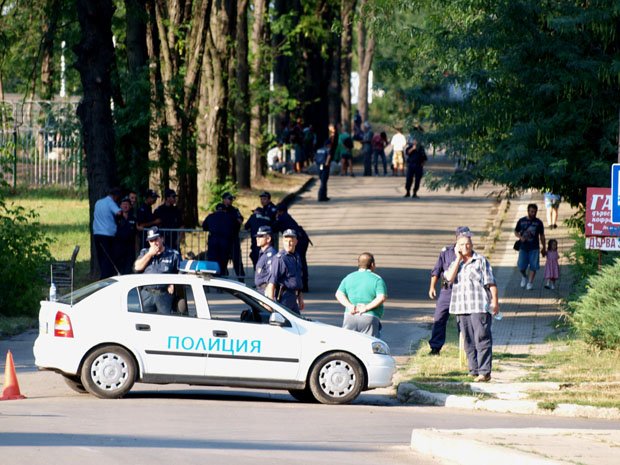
523,92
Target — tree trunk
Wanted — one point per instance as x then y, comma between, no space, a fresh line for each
334,86
135,145
259,80
212,124
365,55
346,44
242,98
95,58
52,9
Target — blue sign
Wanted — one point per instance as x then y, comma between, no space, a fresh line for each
615,193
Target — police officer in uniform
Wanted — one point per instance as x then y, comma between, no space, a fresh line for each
264,215
170,217
285,283
222,228
285,221
442,307
265,257
237,218
157,258
125,239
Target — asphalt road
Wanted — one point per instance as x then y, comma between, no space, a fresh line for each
197,425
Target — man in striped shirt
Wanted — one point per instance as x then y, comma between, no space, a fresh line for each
474,302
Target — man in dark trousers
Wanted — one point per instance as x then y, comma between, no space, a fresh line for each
416,157
331,145
237,219
170,217
442,307
285,283
221,229
284,221
125,240
265,258
104,230
264,215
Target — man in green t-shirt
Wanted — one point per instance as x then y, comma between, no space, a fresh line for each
362,294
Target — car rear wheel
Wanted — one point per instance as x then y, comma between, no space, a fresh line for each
336,378
109,372
75,383
303,395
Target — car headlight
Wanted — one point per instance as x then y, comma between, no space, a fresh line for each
380,347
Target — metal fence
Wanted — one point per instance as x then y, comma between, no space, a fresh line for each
40,144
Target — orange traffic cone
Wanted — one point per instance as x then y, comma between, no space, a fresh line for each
11,386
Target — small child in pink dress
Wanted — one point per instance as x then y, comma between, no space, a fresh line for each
552,267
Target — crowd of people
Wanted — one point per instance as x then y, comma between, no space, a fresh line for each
119,226
297,149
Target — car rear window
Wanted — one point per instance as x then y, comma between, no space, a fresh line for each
84,292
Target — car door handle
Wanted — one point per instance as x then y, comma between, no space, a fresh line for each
141,327
218,333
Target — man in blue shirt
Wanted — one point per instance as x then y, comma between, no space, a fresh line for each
265,257
285,280
104,230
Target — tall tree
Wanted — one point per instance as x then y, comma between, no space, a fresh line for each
346,46
213,96
259,86
365,56
50,23
241,97
95,59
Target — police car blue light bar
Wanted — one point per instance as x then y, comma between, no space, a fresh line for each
199,267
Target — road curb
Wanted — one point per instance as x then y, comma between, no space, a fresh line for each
464,451
408,393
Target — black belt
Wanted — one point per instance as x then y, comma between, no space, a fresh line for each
446,285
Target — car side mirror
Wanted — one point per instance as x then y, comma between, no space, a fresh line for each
277,320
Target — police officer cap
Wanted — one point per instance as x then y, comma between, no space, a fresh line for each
228,195
290,233
463,231
265,194
152,233
264,231
151,193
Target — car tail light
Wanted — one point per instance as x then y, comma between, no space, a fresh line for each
62,325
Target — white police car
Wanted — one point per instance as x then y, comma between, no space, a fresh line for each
200,330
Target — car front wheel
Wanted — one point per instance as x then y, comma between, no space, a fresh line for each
109,372
336,378
303,395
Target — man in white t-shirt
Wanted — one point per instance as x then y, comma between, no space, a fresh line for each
398,143
275,158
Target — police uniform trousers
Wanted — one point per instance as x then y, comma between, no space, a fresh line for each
440,319
288,298
106,255
323,177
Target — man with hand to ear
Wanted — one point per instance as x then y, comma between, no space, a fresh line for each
474,301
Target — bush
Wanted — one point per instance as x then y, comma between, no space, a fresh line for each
596,314
216,191
25,258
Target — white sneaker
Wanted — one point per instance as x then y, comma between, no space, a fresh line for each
523,281
529,286
552,286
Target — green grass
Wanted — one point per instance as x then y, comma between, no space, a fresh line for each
15,325
588,376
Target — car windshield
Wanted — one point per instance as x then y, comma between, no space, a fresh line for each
80,294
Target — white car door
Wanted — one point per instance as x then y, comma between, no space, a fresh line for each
242,347
168,343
